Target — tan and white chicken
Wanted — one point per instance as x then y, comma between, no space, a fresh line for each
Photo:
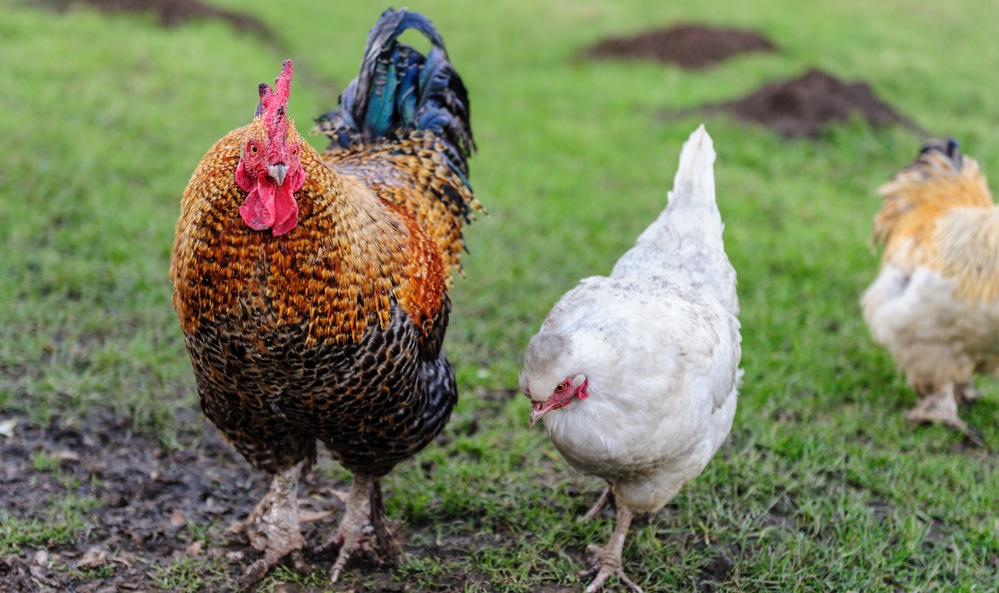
935,302
636,373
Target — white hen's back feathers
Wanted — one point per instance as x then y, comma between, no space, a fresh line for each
659,344
686,239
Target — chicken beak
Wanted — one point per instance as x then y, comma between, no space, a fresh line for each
277,172
538,409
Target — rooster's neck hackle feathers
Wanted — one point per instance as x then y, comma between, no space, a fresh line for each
403,126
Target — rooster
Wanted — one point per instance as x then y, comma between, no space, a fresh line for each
636,374
935,302
312,289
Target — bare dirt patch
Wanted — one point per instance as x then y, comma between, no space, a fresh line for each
152,518
805,106
800,108
688,46
139,516
173,13
144,507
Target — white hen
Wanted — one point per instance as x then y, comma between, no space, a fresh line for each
636,374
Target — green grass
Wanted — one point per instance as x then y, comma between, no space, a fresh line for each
822,487
65,518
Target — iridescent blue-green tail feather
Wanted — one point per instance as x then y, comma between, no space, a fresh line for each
399,90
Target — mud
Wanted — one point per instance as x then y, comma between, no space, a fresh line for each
173,13
688,46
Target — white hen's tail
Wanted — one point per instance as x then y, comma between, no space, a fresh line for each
685,242
692,209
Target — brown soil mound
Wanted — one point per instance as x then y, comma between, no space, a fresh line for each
689,46
805,106
173,13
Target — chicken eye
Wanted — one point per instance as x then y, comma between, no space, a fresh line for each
253,148
294,151
560,387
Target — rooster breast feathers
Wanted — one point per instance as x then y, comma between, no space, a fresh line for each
350,257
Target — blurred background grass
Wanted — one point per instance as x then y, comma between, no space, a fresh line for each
104,117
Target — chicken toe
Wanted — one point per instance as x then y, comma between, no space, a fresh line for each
606,561
364,527
273,526
941,407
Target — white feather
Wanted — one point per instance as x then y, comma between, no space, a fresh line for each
658,340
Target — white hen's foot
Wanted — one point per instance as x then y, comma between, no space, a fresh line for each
606,561
364,527
274,526
941,407
607,497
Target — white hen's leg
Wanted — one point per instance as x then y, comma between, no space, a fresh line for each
364,526
606,561
606,498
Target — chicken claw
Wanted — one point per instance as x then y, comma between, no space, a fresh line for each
941,407
363,528
274,526
606,561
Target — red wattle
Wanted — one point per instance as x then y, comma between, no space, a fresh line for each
270,206
258,209
285,211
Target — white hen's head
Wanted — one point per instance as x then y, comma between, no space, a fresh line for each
550,378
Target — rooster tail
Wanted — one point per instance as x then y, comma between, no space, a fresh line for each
399,90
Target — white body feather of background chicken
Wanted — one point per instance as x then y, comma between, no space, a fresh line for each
659,343
935,336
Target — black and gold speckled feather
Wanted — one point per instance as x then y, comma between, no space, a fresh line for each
312,289
331,332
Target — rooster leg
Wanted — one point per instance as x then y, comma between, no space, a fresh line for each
606,561
941,406
337,494
606,498
251,525
274,525
364,527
